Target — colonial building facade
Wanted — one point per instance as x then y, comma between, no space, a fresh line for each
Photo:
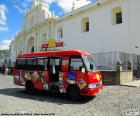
100,27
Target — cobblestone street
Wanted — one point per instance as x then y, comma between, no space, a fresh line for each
111,101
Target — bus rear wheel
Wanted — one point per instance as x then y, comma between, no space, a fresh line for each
74,93
29,87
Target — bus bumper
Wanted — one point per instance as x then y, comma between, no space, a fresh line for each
91,92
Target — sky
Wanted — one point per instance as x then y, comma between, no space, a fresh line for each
12,15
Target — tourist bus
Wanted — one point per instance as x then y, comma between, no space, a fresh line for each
70,71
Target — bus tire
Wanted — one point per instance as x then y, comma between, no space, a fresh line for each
29,87
73,93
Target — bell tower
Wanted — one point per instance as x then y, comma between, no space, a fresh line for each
35,3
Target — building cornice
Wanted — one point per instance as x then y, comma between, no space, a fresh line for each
92,6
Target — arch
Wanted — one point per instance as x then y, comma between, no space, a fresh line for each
117,15
31,44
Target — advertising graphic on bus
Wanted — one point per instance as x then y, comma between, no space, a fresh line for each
69,71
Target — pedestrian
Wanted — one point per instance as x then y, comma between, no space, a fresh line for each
6,70
3,68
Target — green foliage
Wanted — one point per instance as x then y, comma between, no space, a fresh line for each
4,53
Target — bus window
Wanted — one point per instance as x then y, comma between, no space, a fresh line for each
31,61
42,64
65,64
31,64
90,64
21,63
55,62
76,64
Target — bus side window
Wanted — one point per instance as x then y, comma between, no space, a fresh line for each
31,63
76,64
46,64
54,64
21,63
65,64
42,64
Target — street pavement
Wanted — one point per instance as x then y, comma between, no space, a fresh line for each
111,101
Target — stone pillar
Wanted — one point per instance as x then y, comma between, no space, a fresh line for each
119,66
138,70
130,65
123,76
118,71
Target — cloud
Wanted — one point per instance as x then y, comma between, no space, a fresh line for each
3,18
22,6
3,28
5,44
49,1
67,5
19,8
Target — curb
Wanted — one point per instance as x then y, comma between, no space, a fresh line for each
131,86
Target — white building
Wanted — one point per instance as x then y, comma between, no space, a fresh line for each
100,27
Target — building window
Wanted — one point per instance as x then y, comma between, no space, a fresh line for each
85,24
116,15
60,33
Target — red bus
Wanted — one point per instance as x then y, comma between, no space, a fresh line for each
70,71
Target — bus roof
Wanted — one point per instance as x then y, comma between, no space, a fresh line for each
54,53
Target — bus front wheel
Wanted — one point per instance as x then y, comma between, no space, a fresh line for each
74,93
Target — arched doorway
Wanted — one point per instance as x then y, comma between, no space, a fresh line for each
31,44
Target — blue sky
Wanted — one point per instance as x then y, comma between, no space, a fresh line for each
12,15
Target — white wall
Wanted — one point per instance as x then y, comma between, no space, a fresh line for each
103,36
134,25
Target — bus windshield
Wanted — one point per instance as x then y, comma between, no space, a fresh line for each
90,64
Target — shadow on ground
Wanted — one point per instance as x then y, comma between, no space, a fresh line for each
43,96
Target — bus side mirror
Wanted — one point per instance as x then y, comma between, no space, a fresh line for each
64,68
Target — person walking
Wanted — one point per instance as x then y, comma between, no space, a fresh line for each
6,70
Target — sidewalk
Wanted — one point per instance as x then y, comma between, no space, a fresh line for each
133,84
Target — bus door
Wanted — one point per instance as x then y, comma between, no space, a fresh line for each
42,69
54,69
77,72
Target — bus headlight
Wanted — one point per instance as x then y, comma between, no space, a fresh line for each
91,86
95,85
